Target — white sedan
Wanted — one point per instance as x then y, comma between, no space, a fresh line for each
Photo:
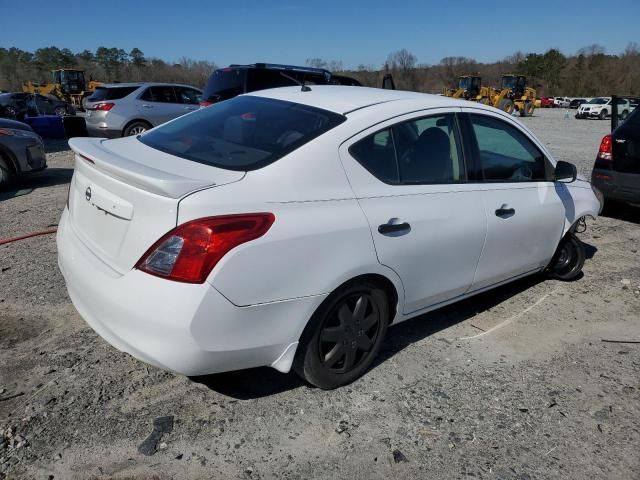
290,227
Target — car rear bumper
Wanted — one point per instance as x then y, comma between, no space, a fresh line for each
186,328
614,188
102,132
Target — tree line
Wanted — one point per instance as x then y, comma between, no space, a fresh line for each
105,65
589,72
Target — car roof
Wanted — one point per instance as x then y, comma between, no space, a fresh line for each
346,99
143,84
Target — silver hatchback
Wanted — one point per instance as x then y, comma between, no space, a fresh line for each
123,109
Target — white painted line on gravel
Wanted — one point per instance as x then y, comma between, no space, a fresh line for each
510,319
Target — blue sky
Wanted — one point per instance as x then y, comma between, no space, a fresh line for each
245,31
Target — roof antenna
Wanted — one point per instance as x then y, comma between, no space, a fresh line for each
303,87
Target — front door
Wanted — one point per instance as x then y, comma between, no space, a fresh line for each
523,206
427,223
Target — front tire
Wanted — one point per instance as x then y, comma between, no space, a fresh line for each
344,336
506,105
567,262
5,174
603,114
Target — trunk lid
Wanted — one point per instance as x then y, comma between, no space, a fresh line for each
124,195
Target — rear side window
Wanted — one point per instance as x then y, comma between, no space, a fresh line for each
110,93
506,154
244,133
224,84
160,94
422,151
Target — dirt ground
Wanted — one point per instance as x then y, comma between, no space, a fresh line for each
516,383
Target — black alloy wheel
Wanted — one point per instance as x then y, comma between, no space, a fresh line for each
569,259
344,336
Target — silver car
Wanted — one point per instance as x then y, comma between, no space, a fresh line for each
123,109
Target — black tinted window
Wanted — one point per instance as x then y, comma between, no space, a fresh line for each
244,133
421,151
376,153
110,93
161,94
224,84
506,154
428,150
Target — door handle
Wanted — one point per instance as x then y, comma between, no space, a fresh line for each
505,212
387,228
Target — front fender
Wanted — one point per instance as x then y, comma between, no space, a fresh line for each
579,201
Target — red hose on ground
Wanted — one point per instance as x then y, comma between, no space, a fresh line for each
28,235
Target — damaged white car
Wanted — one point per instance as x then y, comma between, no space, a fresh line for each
290,227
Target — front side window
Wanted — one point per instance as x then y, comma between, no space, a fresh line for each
187,95
422,151
506,154
244,133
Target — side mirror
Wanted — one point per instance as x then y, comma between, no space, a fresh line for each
565,171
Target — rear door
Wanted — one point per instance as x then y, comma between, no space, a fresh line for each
522,204
427,223
158,104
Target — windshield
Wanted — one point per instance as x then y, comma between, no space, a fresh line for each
244,133
508,82
599,101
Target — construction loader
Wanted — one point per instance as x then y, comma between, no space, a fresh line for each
66,84
469,87
514,94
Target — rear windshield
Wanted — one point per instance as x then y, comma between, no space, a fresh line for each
245,133
110,93
224,84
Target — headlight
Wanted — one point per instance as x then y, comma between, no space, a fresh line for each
14,132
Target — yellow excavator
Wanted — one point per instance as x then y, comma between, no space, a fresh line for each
66,84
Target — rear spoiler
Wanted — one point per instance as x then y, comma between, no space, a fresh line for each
147,178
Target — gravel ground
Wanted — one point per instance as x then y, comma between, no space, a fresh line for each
539,396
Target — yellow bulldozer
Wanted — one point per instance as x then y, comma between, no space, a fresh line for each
66,84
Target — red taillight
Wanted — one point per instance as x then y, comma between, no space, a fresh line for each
189,252
605,152
205,104
103,106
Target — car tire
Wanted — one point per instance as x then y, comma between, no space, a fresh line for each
527,109
5,174
567,262
603,114
136,128
337,346
506,105
624,115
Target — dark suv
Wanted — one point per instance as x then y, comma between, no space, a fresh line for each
616,172
234,80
